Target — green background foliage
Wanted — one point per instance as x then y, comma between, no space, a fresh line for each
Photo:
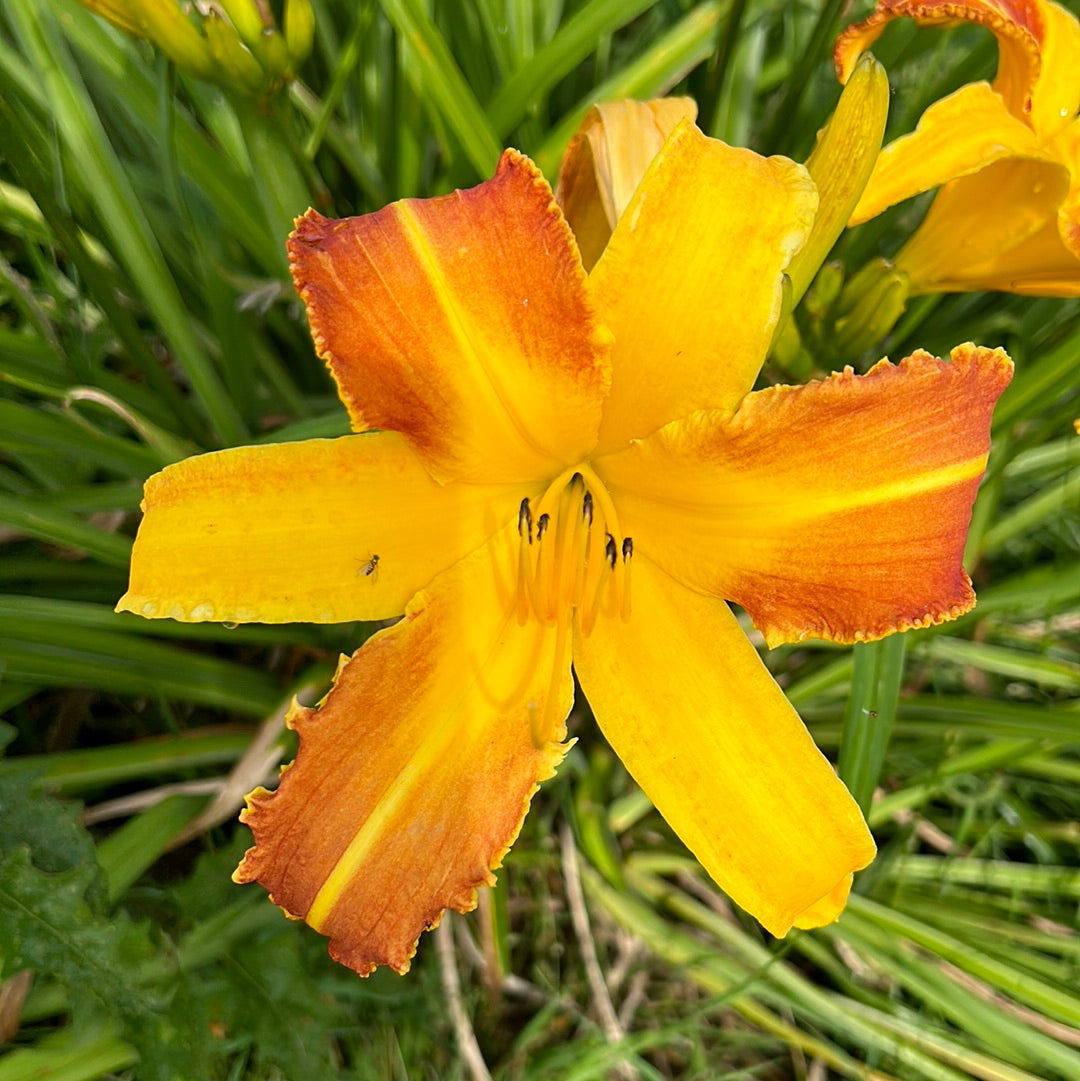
146,314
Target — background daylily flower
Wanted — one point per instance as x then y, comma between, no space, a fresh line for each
557,467
1006,153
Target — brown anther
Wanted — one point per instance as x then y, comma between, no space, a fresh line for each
525,523
574,574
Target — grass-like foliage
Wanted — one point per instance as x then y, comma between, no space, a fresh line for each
146,314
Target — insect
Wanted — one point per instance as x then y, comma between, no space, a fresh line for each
370,568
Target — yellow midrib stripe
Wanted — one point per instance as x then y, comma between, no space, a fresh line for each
389,805
814,505
501,401
946,476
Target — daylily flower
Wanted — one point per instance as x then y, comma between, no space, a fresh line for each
566,468
1006,153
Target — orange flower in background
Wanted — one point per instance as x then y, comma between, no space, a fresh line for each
559,467
1006,153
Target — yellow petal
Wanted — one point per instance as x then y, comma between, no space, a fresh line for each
1055,98
977,223
956,136
826,909
690,282
688,706
324,530
1040,266
605,161
833,510
412,779
1067,147
463,323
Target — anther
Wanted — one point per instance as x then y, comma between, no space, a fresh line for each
525,524
569,566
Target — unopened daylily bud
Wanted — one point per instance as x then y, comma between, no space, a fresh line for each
163,23
789,354
299,29
841,163
233,43
273,53
231,56
869,307
117,12
249,21
819,300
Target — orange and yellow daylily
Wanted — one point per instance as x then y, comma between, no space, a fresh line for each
1007,154
562,468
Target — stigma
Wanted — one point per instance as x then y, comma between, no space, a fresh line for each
573,561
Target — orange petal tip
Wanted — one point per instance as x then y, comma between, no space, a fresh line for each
412,777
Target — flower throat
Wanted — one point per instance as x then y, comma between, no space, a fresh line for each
572,558
573,564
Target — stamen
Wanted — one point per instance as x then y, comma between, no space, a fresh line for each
582,534
597,576
567,528
570,566
573,565
525,523
525,571
627,553
612,598
546,732
544,568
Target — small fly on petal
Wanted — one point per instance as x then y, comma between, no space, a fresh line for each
371,568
